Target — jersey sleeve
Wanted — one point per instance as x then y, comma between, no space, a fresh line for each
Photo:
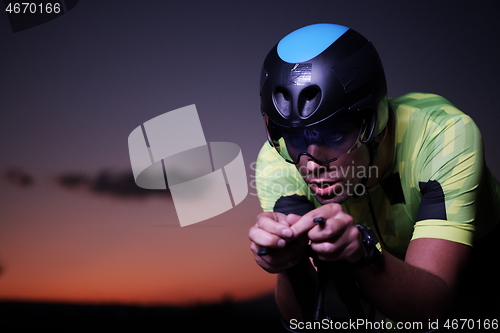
448,169
279,183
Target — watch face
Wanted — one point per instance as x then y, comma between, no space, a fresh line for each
372,238
369,238
371,244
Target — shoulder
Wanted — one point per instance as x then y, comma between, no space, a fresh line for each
420,100
431,119
276,178
271,167
427,110
269,162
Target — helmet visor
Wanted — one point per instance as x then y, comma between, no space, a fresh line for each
324,142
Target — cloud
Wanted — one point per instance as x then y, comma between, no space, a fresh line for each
118,184
18,177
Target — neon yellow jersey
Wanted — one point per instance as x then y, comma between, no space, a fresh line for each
439,186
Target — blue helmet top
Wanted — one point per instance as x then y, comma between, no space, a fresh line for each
308,42
322,70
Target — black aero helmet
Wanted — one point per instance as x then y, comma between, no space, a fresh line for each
323,84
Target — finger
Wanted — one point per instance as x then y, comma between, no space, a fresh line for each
264,238
278,268
273,222
312,218
275,216
329,251
302,226
332,228
279,260
347,246
292,218
259,250
326,248
280,255
274,227
278,217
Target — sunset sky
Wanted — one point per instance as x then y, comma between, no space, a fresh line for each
71,91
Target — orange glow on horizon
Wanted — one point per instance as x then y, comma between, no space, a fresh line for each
104,251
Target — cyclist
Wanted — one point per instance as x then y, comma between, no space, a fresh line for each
391,194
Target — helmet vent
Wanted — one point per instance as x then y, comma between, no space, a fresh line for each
309,100
283,101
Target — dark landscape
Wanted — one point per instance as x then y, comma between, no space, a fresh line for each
259,315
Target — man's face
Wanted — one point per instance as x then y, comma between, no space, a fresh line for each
337,181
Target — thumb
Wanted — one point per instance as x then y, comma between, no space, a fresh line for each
292,218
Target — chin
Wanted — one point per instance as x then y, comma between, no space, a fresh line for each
340,199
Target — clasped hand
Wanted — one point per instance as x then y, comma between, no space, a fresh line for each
286,236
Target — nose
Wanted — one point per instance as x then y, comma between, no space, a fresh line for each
312,165
320,152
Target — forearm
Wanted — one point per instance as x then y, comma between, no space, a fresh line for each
285,298
404,292
304,276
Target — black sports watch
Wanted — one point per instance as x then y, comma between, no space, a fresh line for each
370,242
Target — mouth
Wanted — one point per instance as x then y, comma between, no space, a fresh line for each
323,188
